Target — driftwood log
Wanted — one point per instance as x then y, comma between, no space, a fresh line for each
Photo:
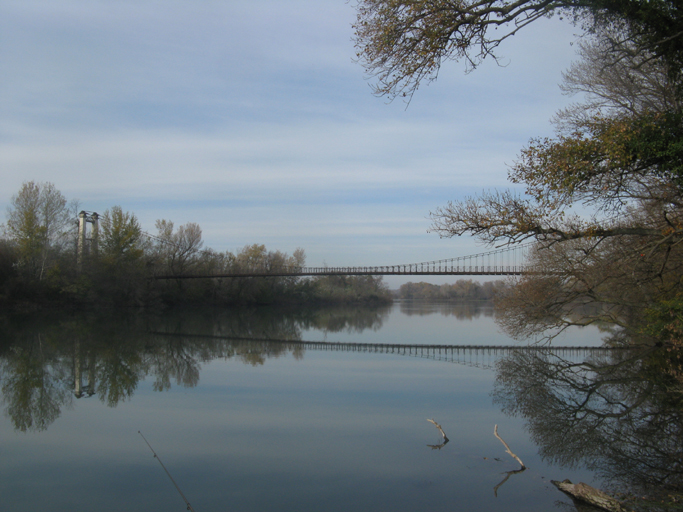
583,493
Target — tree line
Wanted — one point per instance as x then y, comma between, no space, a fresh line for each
462,289
41,262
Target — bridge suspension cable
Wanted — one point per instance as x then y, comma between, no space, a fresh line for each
511,256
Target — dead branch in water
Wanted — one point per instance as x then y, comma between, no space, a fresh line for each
507,448
445,437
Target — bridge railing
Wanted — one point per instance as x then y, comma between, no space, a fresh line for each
327,271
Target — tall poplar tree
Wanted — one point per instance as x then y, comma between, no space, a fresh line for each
38,222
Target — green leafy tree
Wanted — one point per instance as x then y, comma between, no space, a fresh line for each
613,166
342,288
257,258
120,235
120,274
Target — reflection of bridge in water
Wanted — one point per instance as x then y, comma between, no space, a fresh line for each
480,356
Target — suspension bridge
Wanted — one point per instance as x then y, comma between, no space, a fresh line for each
507,261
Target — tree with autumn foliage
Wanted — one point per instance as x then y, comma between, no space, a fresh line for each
403,43
621,249
602,199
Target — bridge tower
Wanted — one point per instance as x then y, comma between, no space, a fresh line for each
87,245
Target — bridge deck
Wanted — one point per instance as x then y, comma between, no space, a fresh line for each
492,271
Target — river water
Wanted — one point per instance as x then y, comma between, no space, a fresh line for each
246,417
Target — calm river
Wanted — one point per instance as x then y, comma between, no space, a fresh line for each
246,417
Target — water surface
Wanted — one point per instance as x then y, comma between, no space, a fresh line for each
269,424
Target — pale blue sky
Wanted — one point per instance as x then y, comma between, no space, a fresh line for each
251,119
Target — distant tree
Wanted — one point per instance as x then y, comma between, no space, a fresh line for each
38,222
342,288
257,258
462,289
178,250
120,235
121,271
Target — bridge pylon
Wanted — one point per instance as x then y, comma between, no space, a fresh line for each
87,245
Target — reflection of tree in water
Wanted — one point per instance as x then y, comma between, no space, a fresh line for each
45,363
614,415
173,359
345,318
32,386
464,310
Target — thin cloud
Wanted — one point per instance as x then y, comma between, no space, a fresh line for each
252,120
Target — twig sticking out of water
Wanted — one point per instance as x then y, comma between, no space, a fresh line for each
507,448
445,437
189,507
